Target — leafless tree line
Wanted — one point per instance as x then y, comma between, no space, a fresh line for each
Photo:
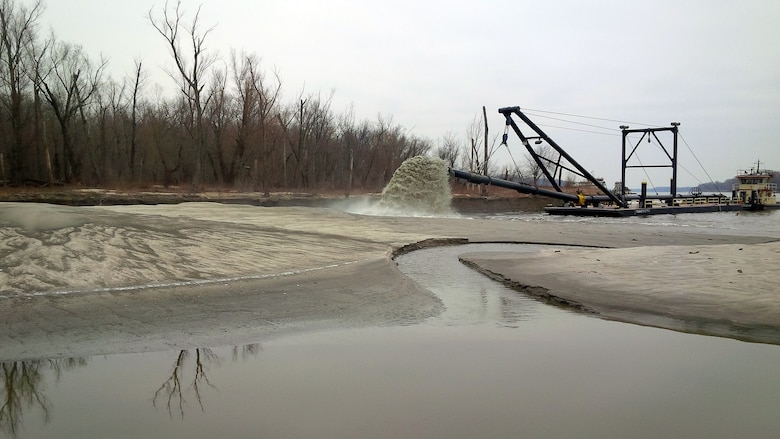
63,120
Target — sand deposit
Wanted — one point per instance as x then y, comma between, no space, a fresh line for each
327,266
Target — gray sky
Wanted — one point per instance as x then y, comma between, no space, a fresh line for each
712,65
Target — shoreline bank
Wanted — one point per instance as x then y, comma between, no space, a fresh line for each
462,202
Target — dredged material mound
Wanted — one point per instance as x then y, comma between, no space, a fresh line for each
420,185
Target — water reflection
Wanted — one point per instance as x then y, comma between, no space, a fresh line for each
246,351
22,389
170,392
462,375
24,384
469,297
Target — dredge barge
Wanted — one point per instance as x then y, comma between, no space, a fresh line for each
754,190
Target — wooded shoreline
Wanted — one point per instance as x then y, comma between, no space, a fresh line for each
506,201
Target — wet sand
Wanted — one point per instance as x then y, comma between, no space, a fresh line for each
728,289
345,276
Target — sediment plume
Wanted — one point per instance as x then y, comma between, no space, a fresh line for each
420,185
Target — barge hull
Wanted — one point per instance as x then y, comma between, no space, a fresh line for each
635,211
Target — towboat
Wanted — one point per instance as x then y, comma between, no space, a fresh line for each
755,188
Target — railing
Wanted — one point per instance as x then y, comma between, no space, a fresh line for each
697,201
753,172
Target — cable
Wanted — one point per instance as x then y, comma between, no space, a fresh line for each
517,168
591,117
575,129
577,123
644,169
613,132
714,186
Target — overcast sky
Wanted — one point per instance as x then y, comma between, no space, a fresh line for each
712,65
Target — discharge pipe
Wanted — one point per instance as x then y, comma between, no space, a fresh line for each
522,187
578,199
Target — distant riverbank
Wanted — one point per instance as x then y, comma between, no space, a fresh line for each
498,201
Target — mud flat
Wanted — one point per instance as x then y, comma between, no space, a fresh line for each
341,273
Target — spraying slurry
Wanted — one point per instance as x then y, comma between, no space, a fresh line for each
420,185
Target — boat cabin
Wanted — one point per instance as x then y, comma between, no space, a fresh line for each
755,187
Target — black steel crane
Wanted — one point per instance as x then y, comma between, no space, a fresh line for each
553,167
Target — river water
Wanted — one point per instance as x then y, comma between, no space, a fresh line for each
764,223
494,364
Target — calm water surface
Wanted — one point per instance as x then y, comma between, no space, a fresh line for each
495,364
764,223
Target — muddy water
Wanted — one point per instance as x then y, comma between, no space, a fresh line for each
494,364
420,185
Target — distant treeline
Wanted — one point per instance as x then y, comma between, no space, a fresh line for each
64,121
718,186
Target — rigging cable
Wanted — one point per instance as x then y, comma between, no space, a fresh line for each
700,165
591,117
690,174
644,169
535,112
576,123
517,168
580,130
494,149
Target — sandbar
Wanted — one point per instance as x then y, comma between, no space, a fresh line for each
680,280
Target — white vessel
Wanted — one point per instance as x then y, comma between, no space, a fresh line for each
755,188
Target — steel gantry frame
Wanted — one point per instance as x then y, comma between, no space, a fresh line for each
649,134
558,166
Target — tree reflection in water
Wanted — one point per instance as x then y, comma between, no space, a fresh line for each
23,385
22,389
171,392
246,351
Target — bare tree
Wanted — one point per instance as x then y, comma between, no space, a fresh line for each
357,139
246,121
68,81
267,95
192,65
308,124
545,152
39,138
373,148
166,137
17,34
322,128
475,131
449,150
220,118
138,80
109,114
257,101
347,137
